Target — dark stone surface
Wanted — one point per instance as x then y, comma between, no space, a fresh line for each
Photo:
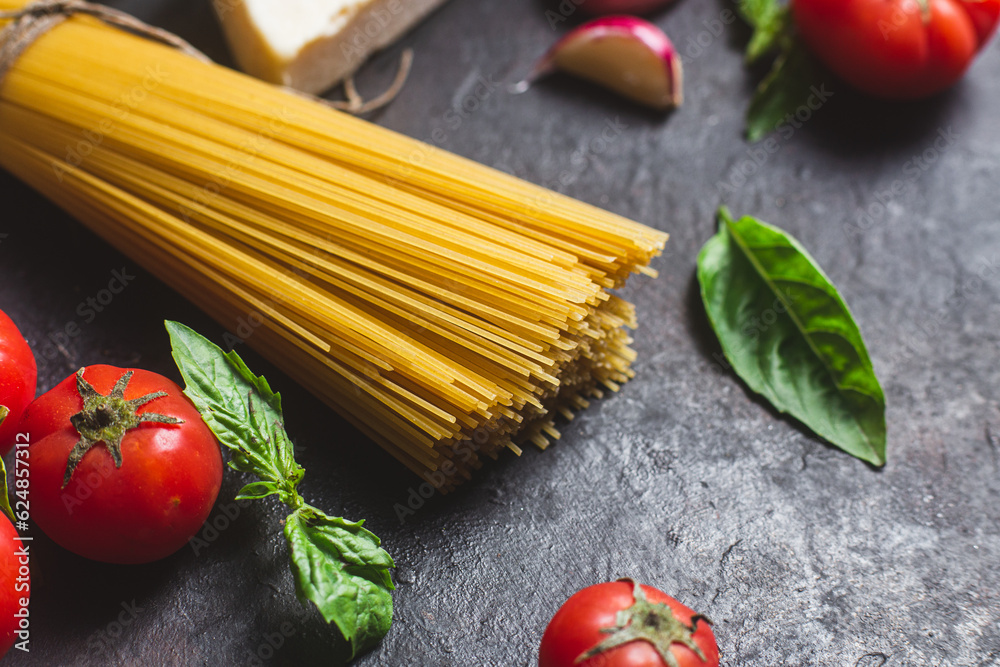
801,554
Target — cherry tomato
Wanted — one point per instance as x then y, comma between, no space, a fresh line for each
899,49
123,469
14,584
655,630
17,380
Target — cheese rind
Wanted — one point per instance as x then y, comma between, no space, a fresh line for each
311,45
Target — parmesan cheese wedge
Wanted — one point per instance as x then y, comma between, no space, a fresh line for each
312,45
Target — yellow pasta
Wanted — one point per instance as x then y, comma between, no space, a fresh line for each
446,309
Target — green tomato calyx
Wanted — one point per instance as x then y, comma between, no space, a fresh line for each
925,11
649,622
4,411
108,418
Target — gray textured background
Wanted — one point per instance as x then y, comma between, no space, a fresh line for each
801,554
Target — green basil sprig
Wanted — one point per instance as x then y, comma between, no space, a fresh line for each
788,334
337,564
771,22
795,74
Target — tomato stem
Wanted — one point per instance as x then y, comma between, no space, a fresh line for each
108,418
925,11
650,622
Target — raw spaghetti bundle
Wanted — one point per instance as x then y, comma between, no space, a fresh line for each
448,310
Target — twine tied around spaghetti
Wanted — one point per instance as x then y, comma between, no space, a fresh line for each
37,18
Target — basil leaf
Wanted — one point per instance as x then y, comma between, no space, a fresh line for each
788,334
795,75
336,563
339,566
788,86
239,407
4,498
757,12
772,24
257,490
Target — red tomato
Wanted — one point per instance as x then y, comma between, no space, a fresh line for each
589,623
899,49
17,380
11,590
148,470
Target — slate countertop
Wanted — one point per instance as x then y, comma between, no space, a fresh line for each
801,554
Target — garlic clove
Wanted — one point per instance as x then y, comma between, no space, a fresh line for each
622,53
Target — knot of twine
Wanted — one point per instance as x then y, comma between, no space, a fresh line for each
34,20
37,18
